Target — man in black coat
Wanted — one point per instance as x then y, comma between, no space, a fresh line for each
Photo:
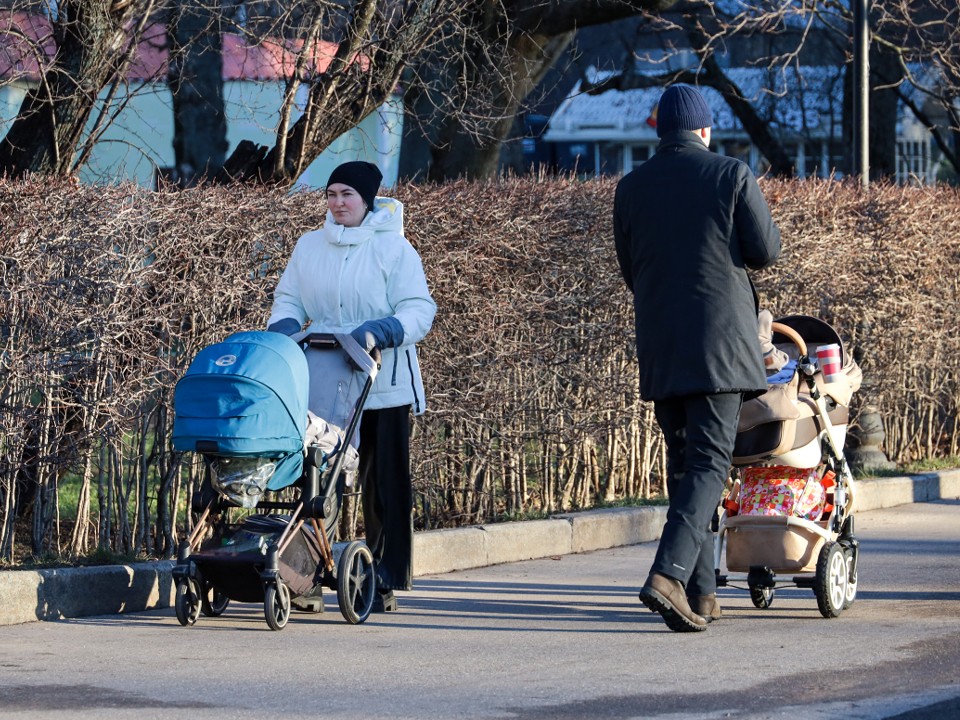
687,225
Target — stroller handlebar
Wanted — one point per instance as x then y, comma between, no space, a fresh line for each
792,334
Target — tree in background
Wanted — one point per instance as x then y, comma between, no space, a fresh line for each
375,43
467,70
460,115
922,43
195,79
86,47
914,52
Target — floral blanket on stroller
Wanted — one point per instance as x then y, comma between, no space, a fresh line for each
781,490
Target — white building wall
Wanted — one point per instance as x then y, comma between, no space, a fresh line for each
140,139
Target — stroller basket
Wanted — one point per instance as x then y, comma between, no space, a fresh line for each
780,543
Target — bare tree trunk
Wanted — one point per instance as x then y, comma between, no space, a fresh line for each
517,42
476,155
885,71
91,47
358,80
195,78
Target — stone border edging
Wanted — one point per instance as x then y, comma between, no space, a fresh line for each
30,595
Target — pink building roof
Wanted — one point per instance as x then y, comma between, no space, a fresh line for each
26,41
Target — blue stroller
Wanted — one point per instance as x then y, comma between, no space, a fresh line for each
265,413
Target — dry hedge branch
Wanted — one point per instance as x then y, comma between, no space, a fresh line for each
109,292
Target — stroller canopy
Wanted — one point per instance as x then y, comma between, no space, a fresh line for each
246,397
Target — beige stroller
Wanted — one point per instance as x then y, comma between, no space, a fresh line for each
789,507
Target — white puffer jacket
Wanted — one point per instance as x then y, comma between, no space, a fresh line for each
339,277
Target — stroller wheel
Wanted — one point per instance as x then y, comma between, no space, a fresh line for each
187,603
851,595
762,597
276,605
356,582
830,586
213,602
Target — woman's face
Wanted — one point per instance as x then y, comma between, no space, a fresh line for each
346,205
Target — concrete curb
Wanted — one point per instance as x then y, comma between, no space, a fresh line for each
442,551
29,595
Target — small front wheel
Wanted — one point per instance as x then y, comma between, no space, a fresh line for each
830,586
851,555
356,582
187,603
276,605
213,602
762,597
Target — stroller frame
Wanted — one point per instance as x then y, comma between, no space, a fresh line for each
351,575
786,544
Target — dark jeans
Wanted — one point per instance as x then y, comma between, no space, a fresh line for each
700,431
388,494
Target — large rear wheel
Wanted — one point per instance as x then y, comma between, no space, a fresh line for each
851,555
356,582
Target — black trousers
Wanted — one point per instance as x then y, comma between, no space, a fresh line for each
699,431
387,494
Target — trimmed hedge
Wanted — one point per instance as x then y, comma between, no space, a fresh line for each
108,292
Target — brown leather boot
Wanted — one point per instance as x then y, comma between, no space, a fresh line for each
666,596
705,605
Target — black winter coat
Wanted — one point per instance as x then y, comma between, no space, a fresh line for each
687,224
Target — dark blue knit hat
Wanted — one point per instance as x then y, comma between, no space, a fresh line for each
364,177
682,107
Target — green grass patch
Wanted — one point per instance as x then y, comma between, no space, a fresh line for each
916,467
97,558
932,465
620,503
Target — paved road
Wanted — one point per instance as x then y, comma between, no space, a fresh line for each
547,639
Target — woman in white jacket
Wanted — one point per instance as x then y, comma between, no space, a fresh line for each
358,274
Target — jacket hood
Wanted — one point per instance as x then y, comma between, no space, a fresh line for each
387,216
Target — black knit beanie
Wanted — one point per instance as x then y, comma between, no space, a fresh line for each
682,107
362,176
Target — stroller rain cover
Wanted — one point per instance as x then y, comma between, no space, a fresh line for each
246,397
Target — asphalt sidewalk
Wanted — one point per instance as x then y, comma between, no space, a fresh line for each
29,595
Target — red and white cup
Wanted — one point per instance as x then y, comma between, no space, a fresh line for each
828,358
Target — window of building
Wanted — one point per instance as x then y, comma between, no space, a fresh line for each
836,160
609,158
637,155
813,160
738,149
913,162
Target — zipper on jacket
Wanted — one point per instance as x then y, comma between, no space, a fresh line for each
413,384
396,363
